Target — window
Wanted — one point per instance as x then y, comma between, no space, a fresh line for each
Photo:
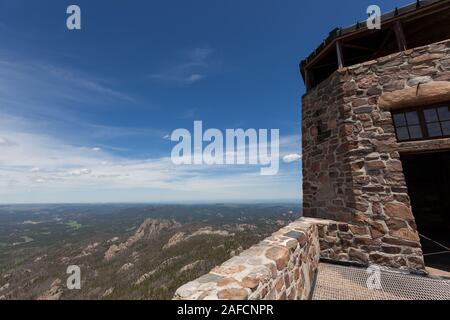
422,123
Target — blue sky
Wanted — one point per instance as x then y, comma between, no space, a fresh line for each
84,114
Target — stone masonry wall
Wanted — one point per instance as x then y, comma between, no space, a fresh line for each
352,172
279,268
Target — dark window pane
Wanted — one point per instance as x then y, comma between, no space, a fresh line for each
402,133
415,132
430,115
434,129
412,118
446,128
399,119
444,113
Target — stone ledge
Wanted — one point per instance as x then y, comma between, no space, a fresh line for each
422,94
425,145
280,267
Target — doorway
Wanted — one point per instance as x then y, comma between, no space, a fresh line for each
428,180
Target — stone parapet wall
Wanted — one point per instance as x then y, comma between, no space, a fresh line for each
363,245
278,268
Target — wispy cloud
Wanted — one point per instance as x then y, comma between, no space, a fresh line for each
195,77
82,81
200,55
51,90
195,66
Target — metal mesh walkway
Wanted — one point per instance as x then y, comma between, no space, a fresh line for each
335,282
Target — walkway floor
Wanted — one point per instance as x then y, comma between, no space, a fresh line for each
335,282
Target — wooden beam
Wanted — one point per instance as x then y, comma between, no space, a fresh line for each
307,79
400,35
383,44
340,55
353,46
325,65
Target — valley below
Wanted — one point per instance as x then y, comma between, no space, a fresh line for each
124,251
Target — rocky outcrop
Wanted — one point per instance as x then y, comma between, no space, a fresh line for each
161,267
108,292
192,266
113,240
126,267
206,231
144,277
89,250
177,238
5,287
209,231
246,227
54,293
149,229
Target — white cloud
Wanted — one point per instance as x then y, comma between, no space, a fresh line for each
5,142
38,180
79,172
47,168
292,158
195,77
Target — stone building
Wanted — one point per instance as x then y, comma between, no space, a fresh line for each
376,138
376,162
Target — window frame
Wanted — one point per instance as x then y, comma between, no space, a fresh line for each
422,121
